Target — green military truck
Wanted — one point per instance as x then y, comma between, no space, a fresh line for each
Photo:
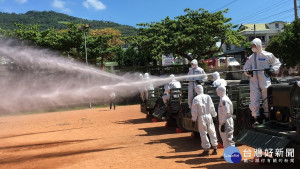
282,129
148,105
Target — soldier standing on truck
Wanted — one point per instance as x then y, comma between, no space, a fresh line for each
141,89
225,112
203,109
172,85
194,70
260,80
217,80
149,86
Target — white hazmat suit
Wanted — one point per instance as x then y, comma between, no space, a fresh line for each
203,109
149,86
194,70
142,93
217,80
259,83
298,83
225,112
172,85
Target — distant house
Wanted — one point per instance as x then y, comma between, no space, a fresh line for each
111,66
263,31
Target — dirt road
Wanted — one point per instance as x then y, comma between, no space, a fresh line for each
99,138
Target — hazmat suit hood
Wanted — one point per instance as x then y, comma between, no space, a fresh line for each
216,76
221,91
146,75
257,42
194,63
199,89
172,77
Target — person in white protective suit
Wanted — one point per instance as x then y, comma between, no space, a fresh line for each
142,93
172,85
259,82
194,70
203,109
298,83
225,112
149,86
217,80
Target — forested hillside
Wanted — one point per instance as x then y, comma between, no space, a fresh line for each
51,19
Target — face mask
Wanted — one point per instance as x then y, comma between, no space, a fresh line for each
194,66
254,50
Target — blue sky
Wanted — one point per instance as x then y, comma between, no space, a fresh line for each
131,12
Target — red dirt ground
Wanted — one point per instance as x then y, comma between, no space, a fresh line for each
99,138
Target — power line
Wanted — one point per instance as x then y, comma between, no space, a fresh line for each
286,17
289,10
225,5
264,10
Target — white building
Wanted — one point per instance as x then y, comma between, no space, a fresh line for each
263,31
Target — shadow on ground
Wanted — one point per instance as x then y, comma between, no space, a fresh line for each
180,144
19,159
161,130
134,121
43,145
43,132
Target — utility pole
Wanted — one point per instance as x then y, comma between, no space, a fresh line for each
254,31
85,28
296,9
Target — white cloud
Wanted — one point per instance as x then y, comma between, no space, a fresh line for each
96,4
21,1
58,4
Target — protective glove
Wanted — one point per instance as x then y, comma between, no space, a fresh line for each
199,81
249,73
223,128
269,72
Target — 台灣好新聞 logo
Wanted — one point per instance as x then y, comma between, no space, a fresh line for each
232,155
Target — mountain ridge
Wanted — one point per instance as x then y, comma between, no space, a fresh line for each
52,19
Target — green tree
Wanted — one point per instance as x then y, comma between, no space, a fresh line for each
196,32
286,45
103,44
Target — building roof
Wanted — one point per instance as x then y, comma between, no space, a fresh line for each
258,26
111,63
250,27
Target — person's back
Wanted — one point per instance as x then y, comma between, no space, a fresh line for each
149,86
203,111
171,85
218,81
175,85
202,104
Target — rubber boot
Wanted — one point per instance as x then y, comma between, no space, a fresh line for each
204,153
256,121
214,152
